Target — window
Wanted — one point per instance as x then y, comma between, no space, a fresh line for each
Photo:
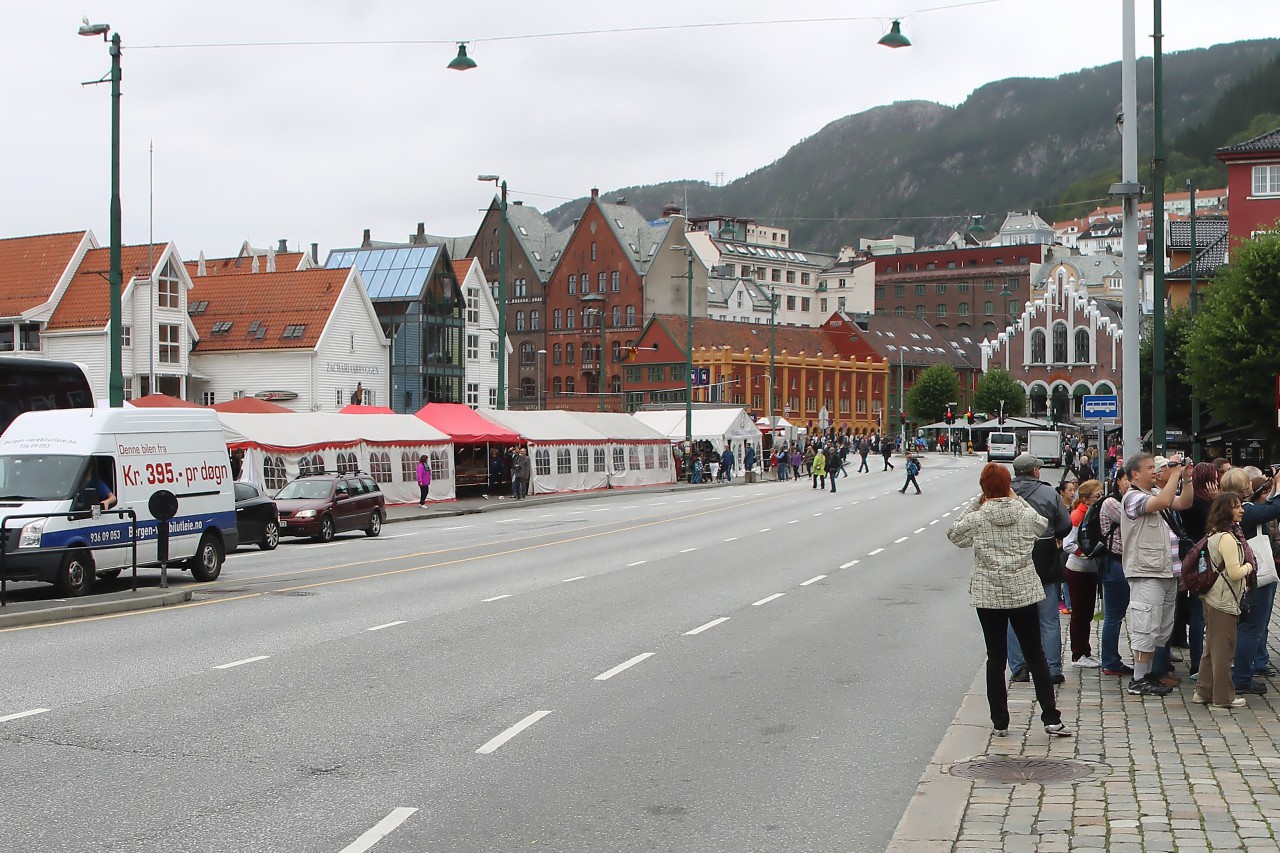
473,347
962,287
535,320
791,303
564,461
380,466
942,289
126,337
542,458
597,460
900,311
619,459
1082,346
409,467
920,311
528,389
804,278
569,385
568,354
273,473
988,308
167,287
347,464
633,457
942,310
473,305
601,280
1266,180
439,462
1059,343
879,291
811,404
557,319
617,351
570,319
963,309
631,315
557,387
615,282
521,286
593,252
1037,346
493,350
839,303
473,394
556,354
804,303
573,284
656,373
988,285
527,353
664,457
822,306
584,460
617,316
519,321
775,274
170,344
208,398
791,276
899,290
493,398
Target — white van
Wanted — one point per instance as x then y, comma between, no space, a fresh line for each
1002,447
53,462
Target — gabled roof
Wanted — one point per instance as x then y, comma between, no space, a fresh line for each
30,268
720,288
917,343
538,237
1208,230
395,274
739,336
262,309
1208,260
86,304
637,235
1269,141
1091,270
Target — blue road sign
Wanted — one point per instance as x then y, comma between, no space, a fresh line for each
1101,407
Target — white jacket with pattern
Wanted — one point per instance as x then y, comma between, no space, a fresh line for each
1002,532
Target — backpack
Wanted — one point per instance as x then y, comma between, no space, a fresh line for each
1089,539
913,467
1198,573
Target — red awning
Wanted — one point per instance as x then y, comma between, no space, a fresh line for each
251,406
357,409
464,426
161,401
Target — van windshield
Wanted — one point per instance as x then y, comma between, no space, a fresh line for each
39,477
310,490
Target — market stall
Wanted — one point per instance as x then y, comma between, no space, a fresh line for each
474,439
274,448
712,429
639,455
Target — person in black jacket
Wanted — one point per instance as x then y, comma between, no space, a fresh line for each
1028,486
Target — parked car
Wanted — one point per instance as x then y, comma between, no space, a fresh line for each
1002,447
257,518
320,505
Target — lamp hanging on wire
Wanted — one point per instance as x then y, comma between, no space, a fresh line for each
462,62
894,38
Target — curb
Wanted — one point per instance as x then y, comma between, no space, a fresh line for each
143,601
932,821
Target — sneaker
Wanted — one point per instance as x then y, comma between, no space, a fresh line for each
1020,676
1059,678
1123,670
1255,687
1087,662
1000,732
1270,671
1148,687
1238,702
1198,698
1059,730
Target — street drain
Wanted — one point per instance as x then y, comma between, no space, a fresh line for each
294,593
1015,771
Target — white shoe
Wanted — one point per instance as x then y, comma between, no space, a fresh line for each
1087,662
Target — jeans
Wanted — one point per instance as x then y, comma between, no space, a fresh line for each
1115,603
911,481
1017,623
1252,634
1050,635
863,466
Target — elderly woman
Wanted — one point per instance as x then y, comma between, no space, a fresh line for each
1259,601
1002,528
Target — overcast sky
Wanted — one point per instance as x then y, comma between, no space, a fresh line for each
318,143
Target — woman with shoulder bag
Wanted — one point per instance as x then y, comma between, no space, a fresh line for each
1228,553
1259,600
1004,588
1204,479
1082,579
1115,587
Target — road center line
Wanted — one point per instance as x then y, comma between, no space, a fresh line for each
816,514
945,514
687,550
711,624
571,580
793,521
495,598
839,507
812,580
765,529
935,521
850,564
461,527
636,563
388,625
732,539
34,711
919,530
242,662
610,673
767,599
900,540
380,830
498,741
873,553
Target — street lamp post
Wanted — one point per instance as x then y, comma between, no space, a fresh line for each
773,366
1158,407
115,278
502,285
1194,303
542,357
688,349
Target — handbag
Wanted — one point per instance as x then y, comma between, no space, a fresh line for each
1266,565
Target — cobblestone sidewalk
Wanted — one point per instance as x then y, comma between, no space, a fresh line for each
1162,774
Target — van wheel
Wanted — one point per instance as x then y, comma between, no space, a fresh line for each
270,536
110,574
75,578
206,565
375,524
326,530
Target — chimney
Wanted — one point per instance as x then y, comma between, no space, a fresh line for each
420,239
366,243
284,246
595,192
315,253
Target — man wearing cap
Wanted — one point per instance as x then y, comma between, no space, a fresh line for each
1150,549
1044,500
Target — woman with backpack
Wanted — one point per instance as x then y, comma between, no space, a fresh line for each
1229,556
1204,479
1082,577
1252,488
1004,588
1115,587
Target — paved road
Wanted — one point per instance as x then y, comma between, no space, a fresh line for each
757,668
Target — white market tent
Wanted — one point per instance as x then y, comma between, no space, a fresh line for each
279,447
733,427
571,456
645,451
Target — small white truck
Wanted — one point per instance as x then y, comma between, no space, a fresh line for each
1046,445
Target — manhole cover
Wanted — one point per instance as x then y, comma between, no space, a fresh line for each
1019,770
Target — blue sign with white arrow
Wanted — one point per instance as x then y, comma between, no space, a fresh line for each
1101,407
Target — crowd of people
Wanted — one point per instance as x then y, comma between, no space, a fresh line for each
1182,555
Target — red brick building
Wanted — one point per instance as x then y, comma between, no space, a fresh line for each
969,288
1253,184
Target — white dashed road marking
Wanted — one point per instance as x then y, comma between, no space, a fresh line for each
637,563
242,662
387,625
850,564
873,553
687,550
492,745
732,539
919,530
380,830
900,540
812,580
945,514
711,624
610,673
495,598
935,521
571,580
767,599
21,714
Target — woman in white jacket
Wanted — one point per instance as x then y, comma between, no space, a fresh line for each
1002,528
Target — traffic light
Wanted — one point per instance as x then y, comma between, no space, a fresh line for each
902,416
950,418
968,416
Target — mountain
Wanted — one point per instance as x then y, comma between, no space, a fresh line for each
918,168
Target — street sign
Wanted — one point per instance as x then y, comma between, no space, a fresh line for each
1101,407
701,376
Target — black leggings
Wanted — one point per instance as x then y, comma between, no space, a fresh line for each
1025,622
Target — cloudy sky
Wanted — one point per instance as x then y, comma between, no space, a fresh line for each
316,143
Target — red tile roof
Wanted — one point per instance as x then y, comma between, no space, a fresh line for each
754,336
30,268
462,267
285,262
277,300
86,304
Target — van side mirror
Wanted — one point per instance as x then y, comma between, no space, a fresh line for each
85,502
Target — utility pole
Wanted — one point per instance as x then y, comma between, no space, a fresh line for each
1195,303
773,365
1129,191
1158,425
688,373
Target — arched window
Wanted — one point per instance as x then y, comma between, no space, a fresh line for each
439,461
535,320
542,462
527,388
617,316
1082,346
614,282
347,464
273,473
380,466
1059,343
568,354
557,387
631,315
409,467
569,319
557,319
573,284
569,385
557,354
963,309
1037,346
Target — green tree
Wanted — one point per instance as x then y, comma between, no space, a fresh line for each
1177,388
996,385
1231,351
927,399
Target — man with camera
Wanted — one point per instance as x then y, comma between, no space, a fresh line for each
1150,549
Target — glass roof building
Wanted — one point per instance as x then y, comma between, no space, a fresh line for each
420,305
